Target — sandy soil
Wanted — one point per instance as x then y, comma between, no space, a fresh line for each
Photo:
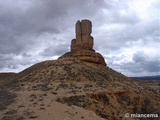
40,105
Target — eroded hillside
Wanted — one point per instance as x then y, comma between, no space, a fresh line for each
73,83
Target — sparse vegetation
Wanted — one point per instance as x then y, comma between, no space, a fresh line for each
88,86
6,99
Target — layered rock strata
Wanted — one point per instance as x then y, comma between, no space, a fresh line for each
82,46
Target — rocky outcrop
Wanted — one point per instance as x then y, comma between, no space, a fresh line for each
89,56
82,46
83,38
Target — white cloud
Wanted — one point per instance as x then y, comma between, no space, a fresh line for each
142,7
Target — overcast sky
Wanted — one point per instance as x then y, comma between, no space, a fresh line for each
126,32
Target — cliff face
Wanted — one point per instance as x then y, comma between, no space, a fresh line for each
78,86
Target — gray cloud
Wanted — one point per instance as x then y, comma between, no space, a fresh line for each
141,65
142,61
55,50
44,16
34,31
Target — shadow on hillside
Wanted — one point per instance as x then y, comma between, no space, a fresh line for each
6,98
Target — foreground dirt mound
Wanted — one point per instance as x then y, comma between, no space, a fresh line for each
77,90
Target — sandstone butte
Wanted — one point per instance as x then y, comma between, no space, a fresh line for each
77,86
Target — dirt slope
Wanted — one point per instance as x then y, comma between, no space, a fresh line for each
69,89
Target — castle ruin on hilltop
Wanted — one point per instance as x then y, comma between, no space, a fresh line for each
82,46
